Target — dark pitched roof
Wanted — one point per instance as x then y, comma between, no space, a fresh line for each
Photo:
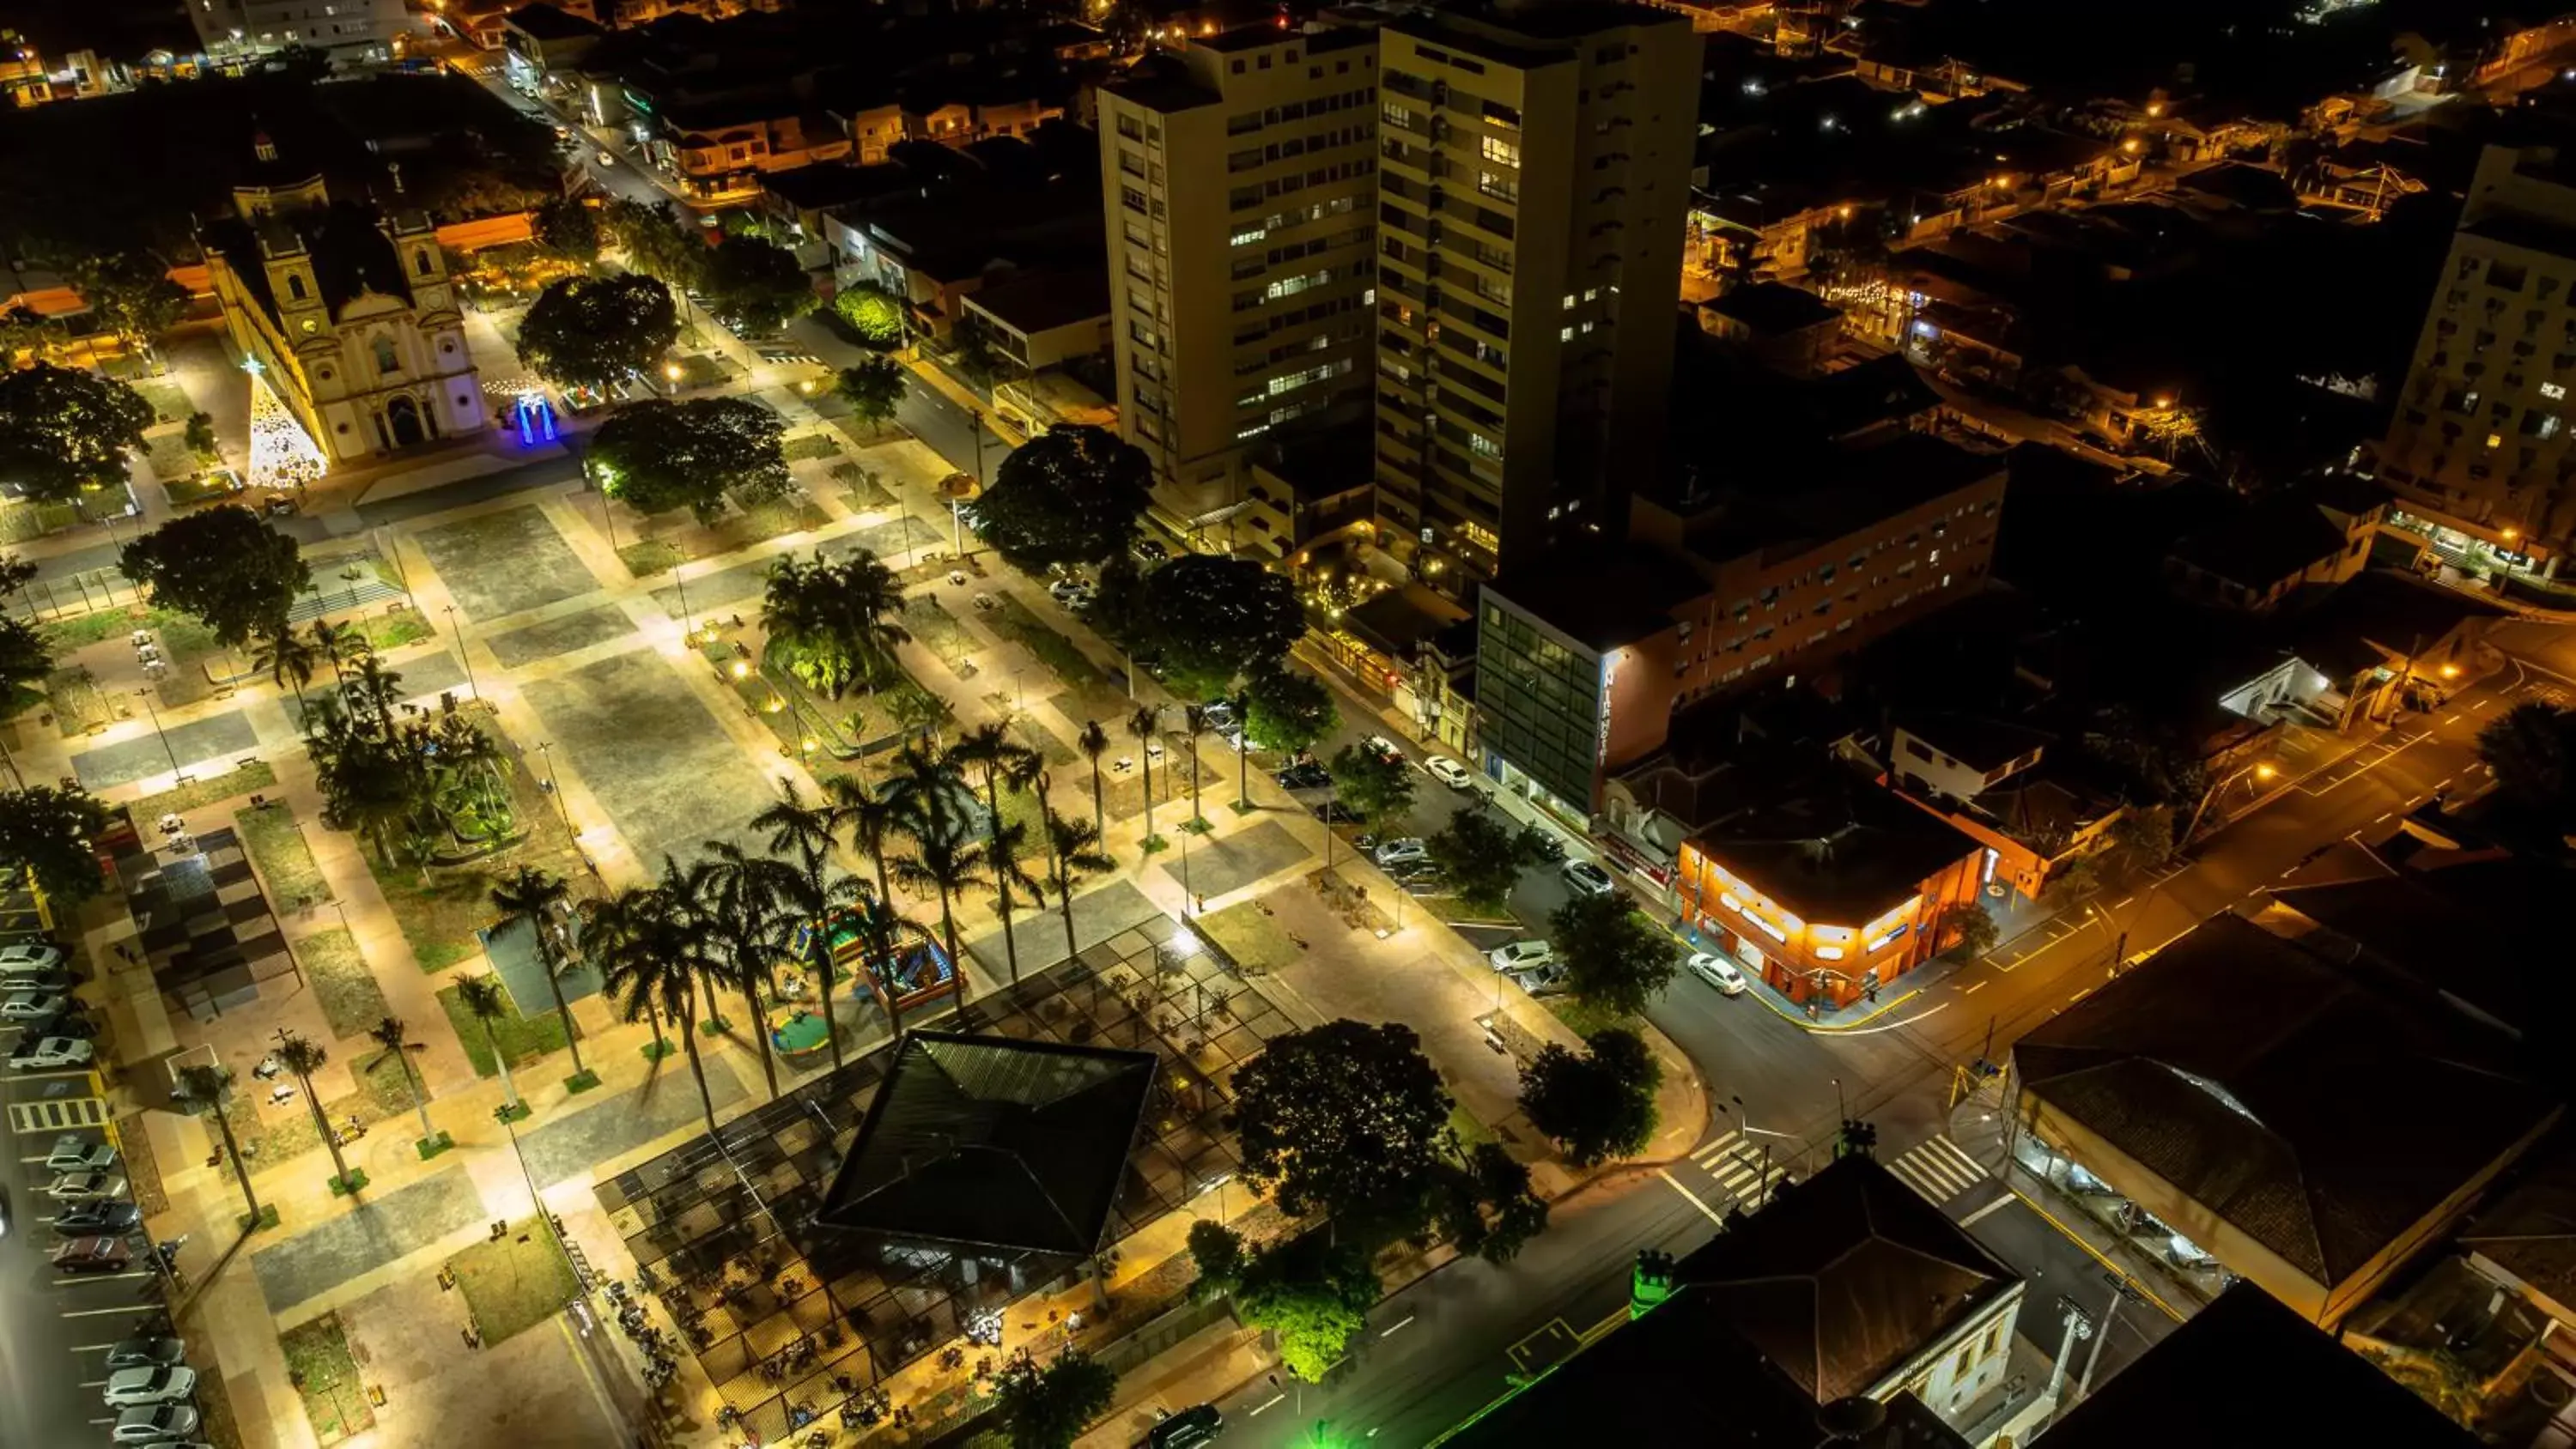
1842,1278
995,1143
2247,1373
2232,1065
1974,740
2262,543
2409,919
1770,308
1400,619
1035,302
545,22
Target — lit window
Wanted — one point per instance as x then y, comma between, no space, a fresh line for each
2552,390
2495,440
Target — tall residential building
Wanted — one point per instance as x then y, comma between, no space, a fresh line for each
2480,447
1239,179
1534,172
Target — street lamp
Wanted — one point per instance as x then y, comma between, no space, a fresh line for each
2261,770
546,757
145,695
461,656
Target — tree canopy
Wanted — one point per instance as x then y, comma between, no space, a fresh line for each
131,294
1069,496
1598,1105
1482,858
568,230
832,624
872,313
1288,709
1314,1295
25,659
46,832
1615,959
63,430
663,455
1343,1117
2532,750
591,332
652,238
224,565
874,387
1373,787
1048,1407
1204,620
760,286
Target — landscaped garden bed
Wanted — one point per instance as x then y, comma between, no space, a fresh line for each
79,705
515,1283
522,1039
351,1000
810,446
241,780
279,852
325,1375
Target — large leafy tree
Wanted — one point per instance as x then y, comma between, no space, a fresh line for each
592,332
568,230
226,566
25,659
1615,959
874,388
131,294
759,285
1370,785
832,624
1204,620
45,833
1070,496
872,313
1288,709
2532,750
1313,1293
63,430
663,455
1049,1407
653,240
1482,859
1343,1118
1598,1105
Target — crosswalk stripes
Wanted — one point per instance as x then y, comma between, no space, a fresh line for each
1938,1168
1742,1171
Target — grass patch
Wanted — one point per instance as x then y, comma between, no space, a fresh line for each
325,1375
392,631
62,636
267,1219
936,629
272,1135
441,907
169,400
1585,1018
257,775
522,1039
191,648
184,491
350,1185
351,999
652,556
429,1147
1256,941
811,446
1013,621
515,1284
285,862
79,705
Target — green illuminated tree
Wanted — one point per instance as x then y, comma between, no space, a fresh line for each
1049,1407
1290,709
832,624
64,431
594,332
873,313
1344,1117
1480,1199
1482,858
1615,959
659,455
1372,786
874,387
1598,1105
25,659
1314,1295
1068,496
131,295
224,565
568,230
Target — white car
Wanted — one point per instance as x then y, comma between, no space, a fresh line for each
83,1186
53,1051
29,956
1717,971
153,1424
71,1154
1521,954
1384,746
129,1388
1448,771
1408,851
1584,878
32,1006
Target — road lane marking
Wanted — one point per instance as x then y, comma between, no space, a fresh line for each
1981,1214
1390,1330
2455,719
102,1312
2122,901
2382,815
1706,1211
1269,1403
1973,990
1894,1025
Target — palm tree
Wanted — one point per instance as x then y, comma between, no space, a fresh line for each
395,1038
206,1090
1142,724
654,955
1241,703
1094,742
683,895
373,689
285,656
872,816
942,860
809,831
990,748
833,624
339,643
1194,720
304,1058
483,996
743,895
530,895
1073,852
880,929
615,929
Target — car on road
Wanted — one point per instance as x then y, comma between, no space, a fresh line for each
52,1052
1518,954
1546,843
72,1154
29,956
1717,971
110,1219
30,1005
147,1353
1384,747
153,1424
167,1384
1401,852
1187,1429
607,157
1072,593
93,1255
1305,775
1449,772
62,1023
1584,878
83,1186
1546,979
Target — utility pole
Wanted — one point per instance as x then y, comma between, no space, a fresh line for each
2119,1290
2079,1327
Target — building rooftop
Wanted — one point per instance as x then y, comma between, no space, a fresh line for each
995,1143
814,188
2372,617
1602,595
545,22
2247,1372
1977,741
2408,917
1401,619
2258,544
1768,309
2230,1065
1830,846
1323,463
1161,82
1041,301
1787,510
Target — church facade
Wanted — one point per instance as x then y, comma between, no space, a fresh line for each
349,316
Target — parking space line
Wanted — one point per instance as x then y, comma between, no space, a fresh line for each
103,1312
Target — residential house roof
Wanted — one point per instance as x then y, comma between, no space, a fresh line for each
2234,1065
2408,917
1768,309
2258,545
1829,845
1041,301
546,22
2374,618
1401,619
1980,742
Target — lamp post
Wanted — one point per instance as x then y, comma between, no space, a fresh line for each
461,656
546,757
145,695
679,581
2261,770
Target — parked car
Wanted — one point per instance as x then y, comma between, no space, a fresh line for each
1187,1429
1584,878
110,1219
1385,747
1072,593
147,1353
1546,979
1449,772
1218,714
1401,852
62,1023
31,1005
1306,775
72,1153
1549,847
1717,971
163,1385
1334,812
93,1255
29,956
51,1052
83,1186
38,981
4,1212
153,1424
1521,953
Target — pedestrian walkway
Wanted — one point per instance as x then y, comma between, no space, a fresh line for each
1742,1168
1938,1168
